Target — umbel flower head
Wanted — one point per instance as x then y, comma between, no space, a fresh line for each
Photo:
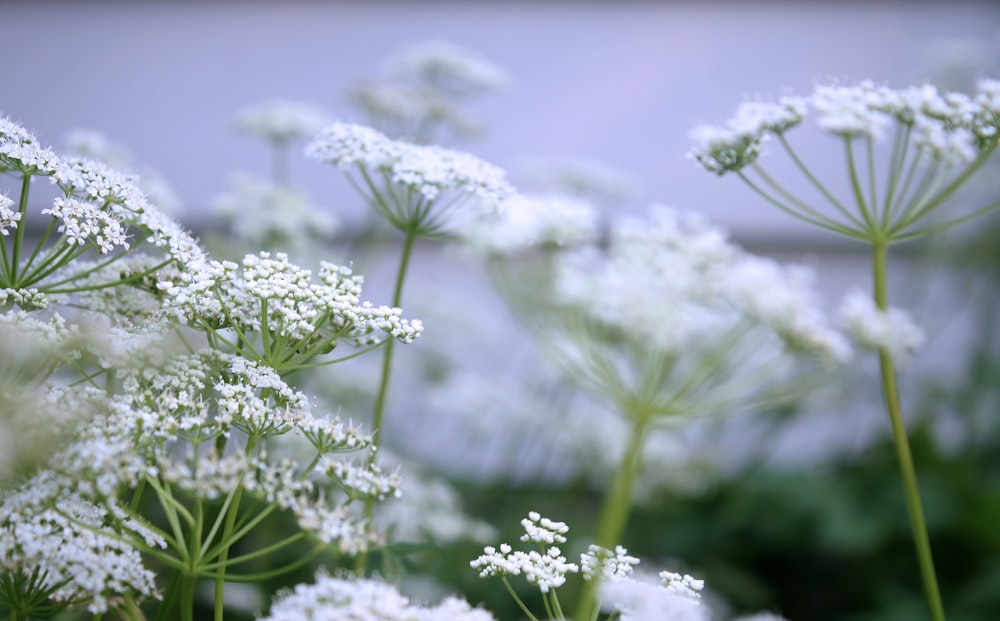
100,210
672,318
277,312
416,188
937,141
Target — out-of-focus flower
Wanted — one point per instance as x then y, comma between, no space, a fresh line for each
282,121
364,600
892,330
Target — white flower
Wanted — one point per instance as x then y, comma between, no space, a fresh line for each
448,68
740,141
892,330
642,600
282,121
683,585
84,222
546,571
20,150
71,546
525,222
951,127
363,600
673,280
601,563
538,529
412,186
8,217
274,297
853,110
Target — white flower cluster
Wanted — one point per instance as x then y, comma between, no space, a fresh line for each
273,216
278,300
673,282
683,585
366,481
447,68
32,346
892,330
740,141
542,530
282,121
27,299
8,217
82,221
21,151
603,564
525,222
949,127
99,203
545,569
71,549
432,171
641,599
156,424
364,600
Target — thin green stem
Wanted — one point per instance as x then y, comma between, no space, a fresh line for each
823,224
22,208
527,611
914,506
616,506
227,532
900,146
816,182
859,195
872,190
380,399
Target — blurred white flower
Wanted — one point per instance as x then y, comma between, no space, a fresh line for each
892,330
449,69
281,121
363,600
526,222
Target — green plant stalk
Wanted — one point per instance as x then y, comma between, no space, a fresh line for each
22,208
227,533
383,389
615,509
918,525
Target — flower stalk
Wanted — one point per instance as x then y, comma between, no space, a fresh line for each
918,525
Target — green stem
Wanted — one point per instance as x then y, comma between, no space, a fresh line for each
518,600
379,412
616,507
905,457
22,208
227,532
